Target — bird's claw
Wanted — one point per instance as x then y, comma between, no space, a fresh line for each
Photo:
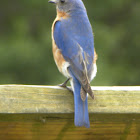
63,85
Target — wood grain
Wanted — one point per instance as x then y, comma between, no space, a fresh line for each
50,99
61,127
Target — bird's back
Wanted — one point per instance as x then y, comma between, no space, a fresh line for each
77,32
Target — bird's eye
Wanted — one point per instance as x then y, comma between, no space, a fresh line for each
62,1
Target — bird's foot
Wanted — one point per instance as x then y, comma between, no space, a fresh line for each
69,89
64,85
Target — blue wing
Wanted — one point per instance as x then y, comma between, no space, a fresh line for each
75,40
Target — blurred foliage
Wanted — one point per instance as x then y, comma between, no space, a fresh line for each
25,42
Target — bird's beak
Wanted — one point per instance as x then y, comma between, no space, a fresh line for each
52,1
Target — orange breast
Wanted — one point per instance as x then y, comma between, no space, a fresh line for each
95,56
58,57
61,14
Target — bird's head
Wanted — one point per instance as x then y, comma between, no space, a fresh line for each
68,5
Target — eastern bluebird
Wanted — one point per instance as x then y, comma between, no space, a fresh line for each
74,53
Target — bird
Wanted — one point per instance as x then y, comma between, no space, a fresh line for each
74,53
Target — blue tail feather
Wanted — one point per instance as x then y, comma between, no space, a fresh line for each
81,107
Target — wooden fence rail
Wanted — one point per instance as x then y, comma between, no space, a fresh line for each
46,112
51,99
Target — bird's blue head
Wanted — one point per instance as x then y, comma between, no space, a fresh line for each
68,5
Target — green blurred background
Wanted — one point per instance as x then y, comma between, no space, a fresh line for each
25,42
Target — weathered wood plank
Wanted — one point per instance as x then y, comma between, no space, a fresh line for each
61,127
50,99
